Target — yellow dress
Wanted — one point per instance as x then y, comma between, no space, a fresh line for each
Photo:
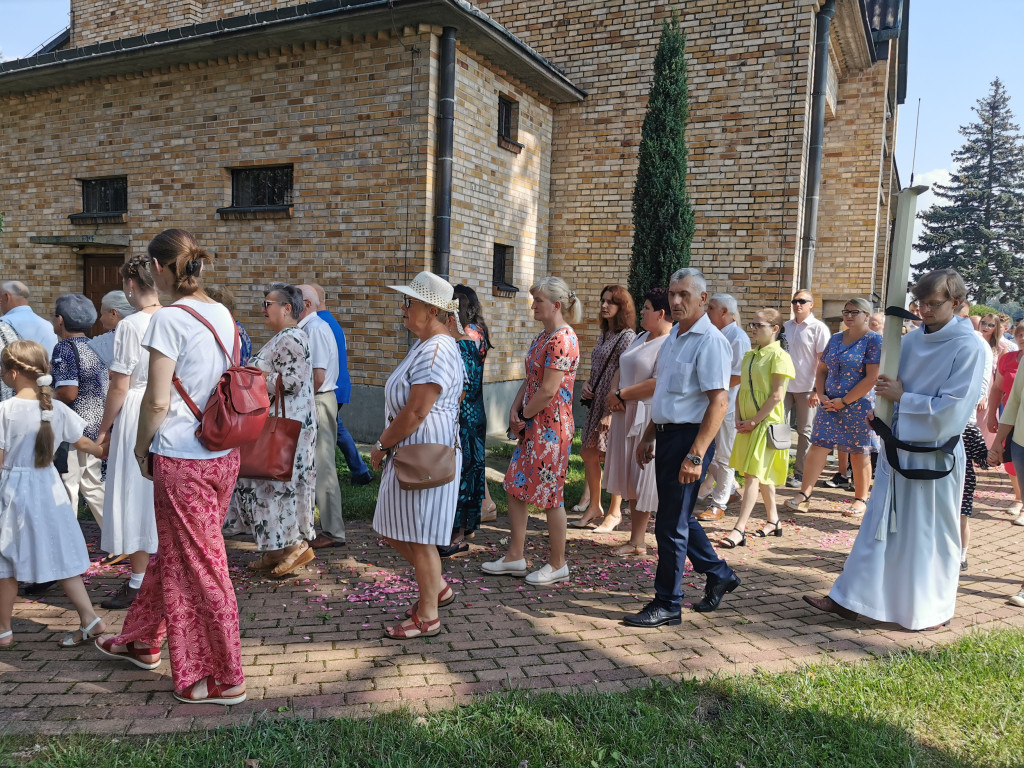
750,453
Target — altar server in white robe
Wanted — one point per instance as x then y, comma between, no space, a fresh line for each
905,561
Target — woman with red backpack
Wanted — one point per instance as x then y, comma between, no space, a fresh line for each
187,595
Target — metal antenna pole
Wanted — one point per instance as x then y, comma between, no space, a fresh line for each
913,159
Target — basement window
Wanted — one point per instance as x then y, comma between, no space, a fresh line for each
266,190
508,124
103,200
501,275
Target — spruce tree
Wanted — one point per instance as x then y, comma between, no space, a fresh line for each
662,215
980,231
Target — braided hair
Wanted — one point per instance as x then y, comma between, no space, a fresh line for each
29,359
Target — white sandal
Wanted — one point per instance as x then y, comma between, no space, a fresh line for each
3,636
69,639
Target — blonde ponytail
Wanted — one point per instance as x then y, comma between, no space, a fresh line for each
558,291
29,359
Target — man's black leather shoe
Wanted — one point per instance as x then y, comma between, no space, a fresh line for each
36,588
653,615
713,594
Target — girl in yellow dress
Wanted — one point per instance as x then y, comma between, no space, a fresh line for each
767,370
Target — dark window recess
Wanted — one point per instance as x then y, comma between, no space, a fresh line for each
105,195
267,187
501,275
508,125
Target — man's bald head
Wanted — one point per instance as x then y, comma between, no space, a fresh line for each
321,294
311,302
13,293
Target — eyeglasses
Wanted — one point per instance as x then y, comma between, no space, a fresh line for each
983,324
407,301
266,304
800,301
933,305
755,326
853,312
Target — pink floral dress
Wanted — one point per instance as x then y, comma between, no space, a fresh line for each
539,464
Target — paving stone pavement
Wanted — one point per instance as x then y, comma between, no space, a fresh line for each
312,645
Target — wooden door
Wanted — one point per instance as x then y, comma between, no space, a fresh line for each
102,275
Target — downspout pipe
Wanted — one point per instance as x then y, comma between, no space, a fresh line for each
816,142
444,154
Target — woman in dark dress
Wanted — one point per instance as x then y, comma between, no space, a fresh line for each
472,435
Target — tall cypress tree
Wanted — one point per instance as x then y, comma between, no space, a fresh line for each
662,215
980,231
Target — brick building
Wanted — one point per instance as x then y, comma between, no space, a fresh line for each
315,142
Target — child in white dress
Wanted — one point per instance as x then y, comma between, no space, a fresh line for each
39,535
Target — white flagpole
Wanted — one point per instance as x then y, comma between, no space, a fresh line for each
896,291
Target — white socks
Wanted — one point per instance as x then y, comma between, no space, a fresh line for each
963,554
135,582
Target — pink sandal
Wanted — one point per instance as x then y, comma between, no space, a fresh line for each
419,629
214,694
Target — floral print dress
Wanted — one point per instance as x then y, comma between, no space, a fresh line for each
847,430
280,514
539,463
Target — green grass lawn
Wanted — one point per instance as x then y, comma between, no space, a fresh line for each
962,705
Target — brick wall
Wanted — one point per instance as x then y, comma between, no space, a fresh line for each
748,69
850,219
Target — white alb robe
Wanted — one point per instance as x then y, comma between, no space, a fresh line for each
905,562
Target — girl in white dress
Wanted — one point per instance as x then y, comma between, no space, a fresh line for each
129,521
40,539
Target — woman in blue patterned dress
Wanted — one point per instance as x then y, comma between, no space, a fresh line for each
472,436
541,415
845,385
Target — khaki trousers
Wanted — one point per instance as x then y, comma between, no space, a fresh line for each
328,489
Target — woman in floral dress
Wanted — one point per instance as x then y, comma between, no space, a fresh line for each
279,515
617,319
845,384
541,415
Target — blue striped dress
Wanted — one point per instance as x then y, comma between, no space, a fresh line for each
426,516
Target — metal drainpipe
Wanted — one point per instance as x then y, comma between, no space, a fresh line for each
812,192
444,154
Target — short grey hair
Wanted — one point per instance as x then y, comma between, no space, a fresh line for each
290,295
117,301
77,312
693,273
728,301
16,287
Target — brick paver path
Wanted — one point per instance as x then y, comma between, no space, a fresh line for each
312,645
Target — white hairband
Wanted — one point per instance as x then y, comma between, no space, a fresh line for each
44,381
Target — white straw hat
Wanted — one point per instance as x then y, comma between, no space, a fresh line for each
433,290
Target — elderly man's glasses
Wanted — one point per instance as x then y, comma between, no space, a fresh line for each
801,302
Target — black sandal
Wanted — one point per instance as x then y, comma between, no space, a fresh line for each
451,550
728,543
776,531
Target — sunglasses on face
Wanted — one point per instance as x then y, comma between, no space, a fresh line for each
801,302
983,324
267,303
755,326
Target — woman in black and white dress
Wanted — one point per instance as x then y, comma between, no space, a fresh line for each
422,401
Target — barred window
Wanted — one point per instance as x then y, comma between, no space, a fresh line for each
263,187
105,195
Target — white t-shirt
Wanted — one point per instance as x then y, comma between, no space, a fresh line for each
739,343
323,349
807,340
199,363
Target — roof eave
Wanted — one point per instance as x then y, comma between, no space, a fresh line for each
323,20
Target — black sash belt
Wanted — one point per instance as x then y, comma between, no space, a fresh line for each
901,312
894,444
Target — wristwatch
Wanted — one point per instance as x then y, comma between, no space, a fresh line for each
380,447
695,460
618,394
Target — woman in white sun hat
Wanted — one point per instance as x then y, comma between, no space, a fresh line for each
422,406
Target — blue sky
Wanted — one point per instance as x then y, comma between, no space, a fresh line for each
956,49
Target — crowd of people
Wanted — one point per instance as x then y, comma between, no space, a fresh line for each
688,409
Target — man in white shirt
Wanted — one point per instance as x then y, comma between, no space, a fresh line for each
324,351
14,297
690,399
807,337
722,312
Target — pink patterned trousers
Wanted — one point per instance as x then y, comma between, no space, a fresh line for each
187,595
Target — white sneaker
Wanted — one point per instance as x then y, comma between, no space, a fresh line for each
502,568
1018,520
548,575
1017,599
